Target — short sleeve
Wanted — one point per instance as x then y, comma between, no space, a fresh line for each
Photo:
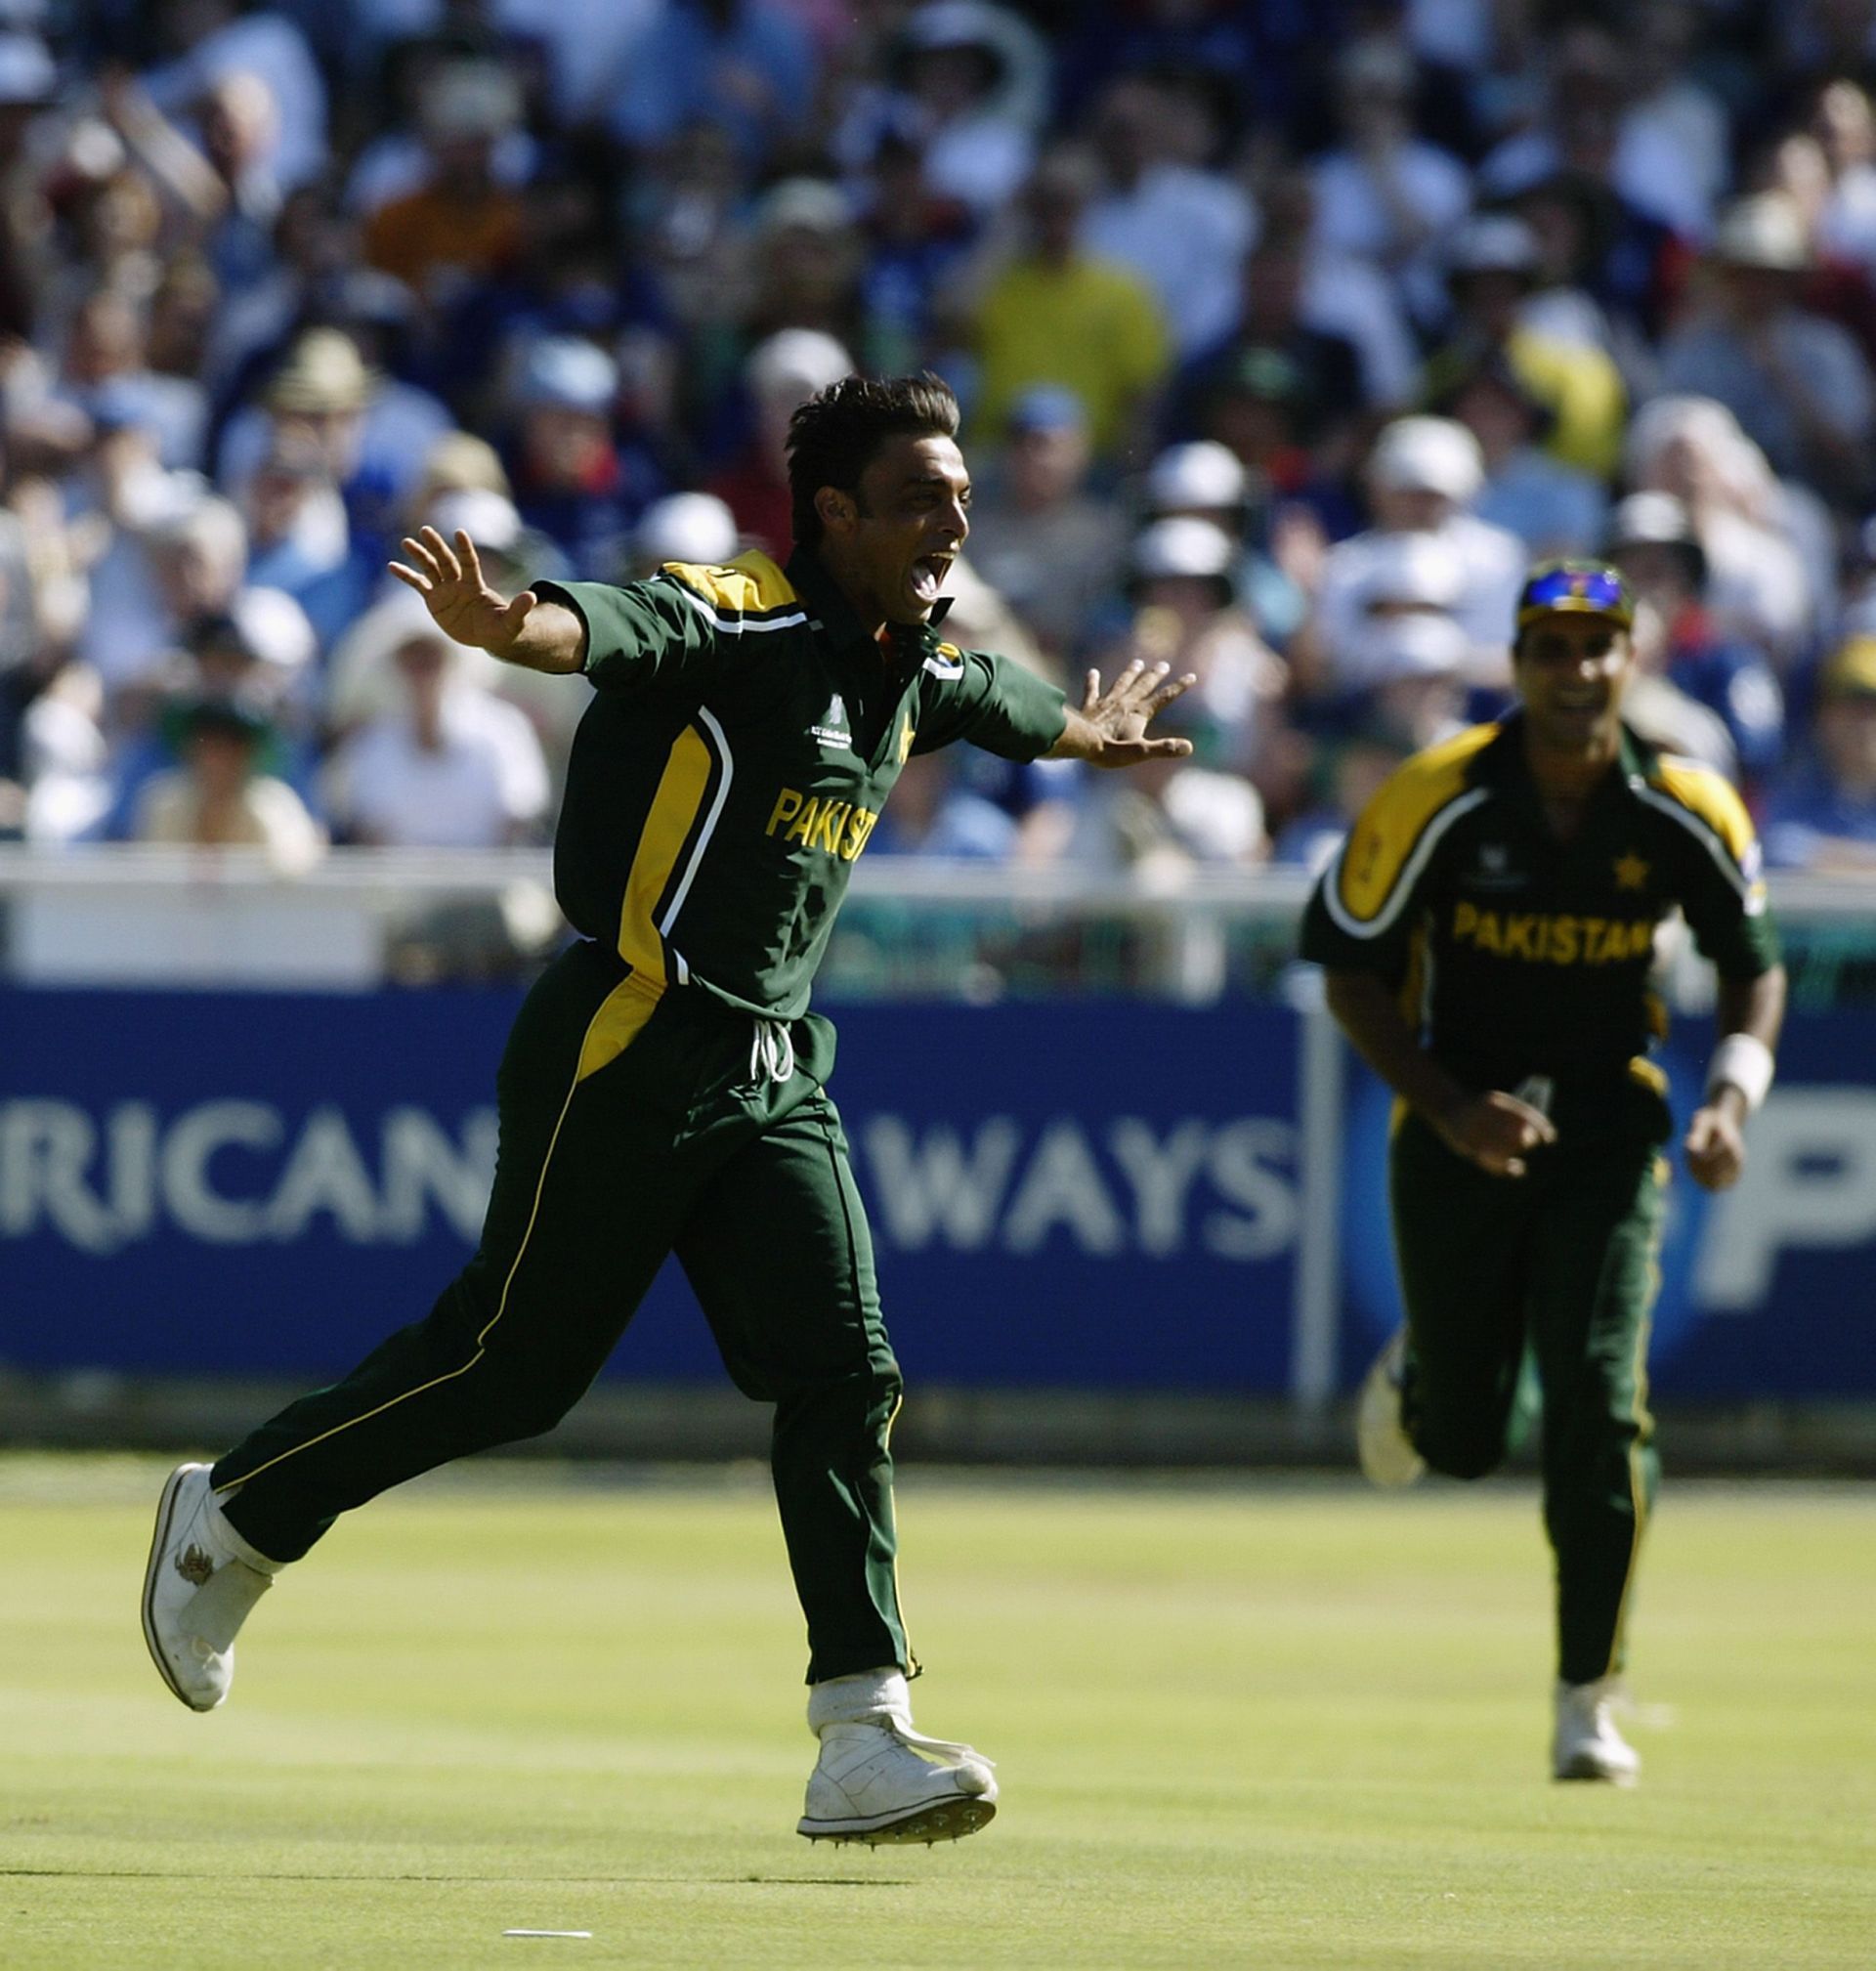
1722,890
647,634
992,701
1363,912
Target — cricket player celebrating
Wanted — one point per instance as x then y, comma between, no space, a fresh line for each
664,1088
1488,932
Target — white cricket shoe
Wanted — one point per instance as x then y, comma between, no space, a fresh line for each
201,1581
1386,1452
877,1780
1585,1744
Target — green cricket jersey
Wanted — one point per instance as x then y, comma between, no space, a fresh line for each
744,734
1516,954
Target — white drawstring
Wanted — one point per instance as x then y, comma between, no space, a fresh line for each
771,1053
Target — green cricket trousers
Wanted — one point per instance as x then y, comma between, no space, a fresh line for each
1566,1257
636,1121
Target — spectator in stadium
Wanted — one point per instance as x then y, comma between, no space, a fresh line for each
1182,230
1058,314
966,85
1181,590
1760,587
1038,536
570,480
220,797
206,41
187,565
1210,481
1582,132
454,767
300,539
1797,384
1421,478
1554,343
1651,538
372,431
462,224
781,375
106,376
1553,508
1383,195
745,66
1822,815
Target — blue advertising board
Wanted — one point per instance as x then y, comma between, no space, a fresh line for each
1084,1195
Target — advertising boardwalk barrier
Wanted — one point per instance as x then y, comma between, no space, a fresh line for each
1084,1194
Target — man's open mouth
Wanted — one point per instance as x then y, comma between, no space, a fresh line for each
928,577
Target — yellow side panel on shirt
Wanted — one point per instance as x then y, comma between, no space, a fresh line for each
1395,820
681,789
748,585
1709,796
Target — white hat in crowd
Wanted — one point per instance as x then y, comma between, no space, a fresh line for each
1182,545
489,519
1428,454
1765,230
570,373
1412,570
1420,644
692,527
1201,474
797,364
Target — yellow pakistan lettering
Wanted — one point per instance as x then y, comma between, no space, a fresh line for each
787,803
801,828
1517,935
1596,940
1487,939
1640,938
827,830
1464,922
1564,931
858,829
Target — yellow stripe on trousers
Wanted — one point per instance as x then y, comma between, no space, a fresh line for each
619,1020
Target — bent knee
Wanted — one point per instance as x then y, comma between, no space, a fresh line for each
1460,1454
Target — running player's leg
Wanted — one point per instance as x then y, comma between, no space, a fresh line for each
1461,1242
778,1251
777,1248
1595,1278
580,1218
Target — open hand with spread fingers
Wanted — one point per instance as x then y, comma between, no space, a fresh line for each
458,594
1109,729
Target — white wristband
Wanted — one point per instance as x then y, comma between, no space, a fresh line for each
1742,1061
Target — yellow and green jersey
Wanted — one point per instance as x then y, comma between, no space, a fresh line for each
1516,954
744,734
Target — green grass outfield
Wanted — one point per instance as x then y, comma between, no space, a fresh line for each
1237,1723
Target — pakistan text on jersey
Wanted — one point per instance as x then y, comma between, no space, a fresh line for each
836,827
1561,939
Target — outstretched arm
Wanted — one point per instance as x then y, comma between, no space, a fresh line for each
522,629
1110,727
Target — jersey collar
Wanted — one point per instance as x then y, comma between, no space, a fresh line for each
834,616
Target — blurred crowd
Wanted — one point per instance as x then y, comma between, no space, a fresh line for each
1287,336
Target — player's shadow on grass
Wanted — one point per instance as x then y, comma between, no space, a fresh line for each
482,1881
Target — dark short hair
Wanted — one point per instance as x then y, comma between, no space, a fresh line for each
836,434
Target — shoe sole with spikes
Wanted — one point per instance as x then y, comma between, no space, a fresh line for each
945,1821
